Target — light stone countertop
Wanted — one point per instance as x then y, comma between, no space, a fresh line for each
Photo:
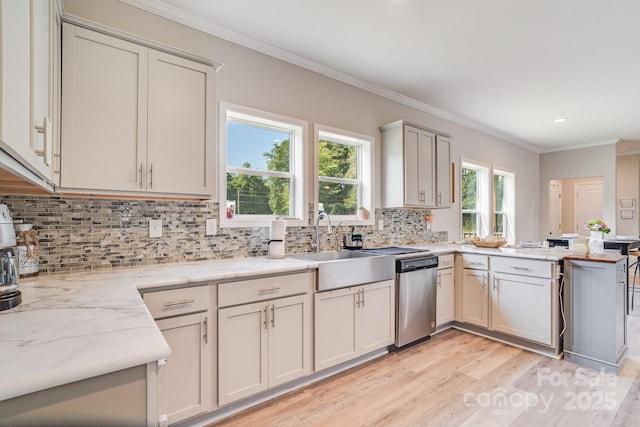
74,326
545,254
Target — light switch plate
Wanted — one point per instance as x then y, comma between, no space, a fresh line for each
210,226
155,228
381,224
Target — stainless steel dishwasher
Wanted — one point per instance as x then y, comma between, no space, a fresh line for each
416,298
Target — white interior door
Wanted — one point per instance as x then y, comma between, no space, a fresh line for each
587,203
555,208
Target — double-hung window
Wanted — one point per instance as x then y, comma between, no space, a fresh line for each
263,157
488,202
344,173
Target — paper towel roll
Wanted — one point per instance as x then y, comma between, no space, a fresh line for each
277,229
276,249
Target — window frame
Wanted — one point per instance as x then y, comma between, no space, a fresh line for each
509,202
297,169
365,167
483,197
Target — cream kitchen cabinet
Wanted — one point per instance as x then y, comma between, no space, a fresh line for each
29,81
475,289
416,166
445,291
134,119
184,317
511,295
266,342
351,322
524,304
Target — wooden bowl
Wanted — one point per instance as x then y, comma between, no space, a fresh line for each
488,244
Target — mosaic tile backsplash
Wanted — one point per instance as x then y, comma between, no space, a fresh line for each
93,233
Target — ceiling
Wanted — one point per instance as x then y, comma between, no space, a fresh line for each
508,68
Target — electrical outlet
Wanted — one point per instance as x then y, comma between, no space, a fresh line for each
155,228
381,224
210,226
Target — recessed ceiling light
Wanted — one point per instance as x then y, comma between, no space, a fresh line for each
560,120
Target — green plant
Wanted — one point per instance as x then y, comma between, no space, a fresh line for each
597,225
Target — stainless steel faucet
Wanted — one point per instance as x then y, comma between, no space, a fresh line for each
322,215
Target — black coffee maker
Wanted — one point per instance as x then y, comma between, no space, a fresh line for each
10,296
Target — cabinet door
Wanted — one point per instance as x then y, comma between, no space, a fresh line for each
181,125
419,172
335,327
522,306
375,316
445,297
15,60
475,297
104,111
289,339
188,375
242,351
443,171
41,85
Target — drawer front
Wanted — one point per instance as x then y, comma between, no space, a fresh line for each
175,302
445,261
251,290
523,267
476,262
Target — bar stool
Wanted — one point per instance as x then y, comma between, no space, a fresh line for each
636,264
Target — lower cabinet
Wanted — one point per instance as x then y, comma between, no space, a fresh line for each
187,373
261,345
445,296
186,381
475,297
351,322
522,306
264,334
510,295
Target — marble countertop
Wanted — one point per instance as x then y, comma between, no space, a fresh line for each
546,254
74,326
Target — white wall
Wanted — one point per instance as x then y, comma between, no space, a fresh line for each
580,163
256,80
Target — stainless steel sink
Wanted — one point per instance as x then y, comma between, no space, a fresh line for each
339,269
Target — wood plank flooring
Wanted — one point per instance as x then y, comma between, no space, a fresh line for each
459,379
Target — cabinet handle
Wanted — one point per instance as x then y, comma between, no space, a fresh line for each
273,315
358,299
474,263
520,268
362,290
204,328
484,281
495,283
266,319
273,288
151,176
141,175
45,130
439,281
181,302
439,198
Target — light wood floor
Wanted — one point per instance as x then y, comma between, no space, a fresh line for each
459,379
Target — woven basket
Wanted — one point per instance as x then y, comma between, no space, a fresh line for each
484,244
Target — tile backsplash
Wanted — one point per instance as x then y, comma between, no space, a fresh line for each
92,233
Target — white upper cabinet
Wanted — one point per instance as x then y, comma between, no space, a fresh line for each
134,119
416,167
29,46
